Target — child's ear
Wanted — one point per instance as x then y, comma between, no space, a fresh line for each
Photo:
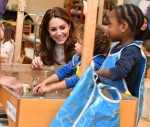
124,26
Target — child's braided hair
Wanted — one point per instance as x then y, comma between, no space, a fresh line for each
131,14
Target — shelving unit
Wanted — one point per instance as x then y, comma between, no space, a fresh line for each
75,9
77,13
30,42
26,28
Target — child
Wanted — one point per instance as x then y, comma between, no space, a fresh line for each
124,66
72,69
146,49
7,43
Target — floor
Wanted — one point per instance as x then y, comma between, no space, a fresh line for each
143,123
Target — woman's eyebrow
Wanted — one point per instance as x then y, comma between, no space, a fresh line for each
57,26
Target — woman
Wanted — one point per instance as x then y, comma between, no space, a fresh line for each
144,32
57,39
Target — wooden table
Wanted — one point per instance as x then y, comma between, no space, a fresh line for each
36,111
29,110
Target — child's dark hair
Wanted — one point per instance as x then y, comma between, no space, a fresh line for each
146,45
9,32
101,42
131,14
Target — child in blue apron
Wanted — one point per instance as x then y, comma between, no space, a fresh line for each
125,64
69,74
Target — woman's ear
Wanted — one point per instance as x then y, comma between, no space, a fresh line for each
124,26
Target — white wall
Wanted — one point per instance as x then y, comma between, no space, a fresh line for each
39,6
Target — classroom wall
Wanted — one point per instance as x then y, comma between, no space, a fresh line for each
38,6
136,2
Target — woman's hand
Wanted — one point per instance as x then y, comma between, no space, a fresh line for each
37,63
12,83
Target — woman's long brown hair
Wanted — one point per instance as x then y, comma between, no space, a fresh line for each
46,49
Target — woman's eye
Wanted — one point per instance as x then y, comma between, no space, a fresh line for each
52,30
62,27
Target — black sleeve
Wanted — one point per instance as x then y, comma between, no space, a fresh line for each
130,56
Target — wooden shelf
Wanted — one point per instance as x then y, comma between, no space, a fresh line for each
75,9
77,13
26,28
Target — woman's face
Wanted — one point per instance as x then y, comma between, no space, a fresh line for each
145,25
59,30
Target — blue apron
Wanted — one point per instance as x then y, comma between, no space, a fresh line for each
100,110
74,104
121,84
86,95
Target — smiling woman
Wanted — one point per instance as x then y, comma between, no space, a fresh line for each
57,39
59,30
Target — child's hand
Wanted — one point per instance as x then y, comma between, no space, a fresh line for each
36,88
44,89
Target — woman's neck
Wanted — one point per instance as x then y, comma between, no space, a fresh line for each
60,46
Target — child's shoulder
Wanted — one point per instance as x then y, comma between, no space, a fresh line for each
76,59
75,56
131,46
99,58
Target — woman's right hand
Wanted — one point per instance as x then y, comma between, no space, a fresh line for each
37,63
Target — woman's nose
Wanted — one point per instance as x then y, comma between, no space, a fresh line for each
59,32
